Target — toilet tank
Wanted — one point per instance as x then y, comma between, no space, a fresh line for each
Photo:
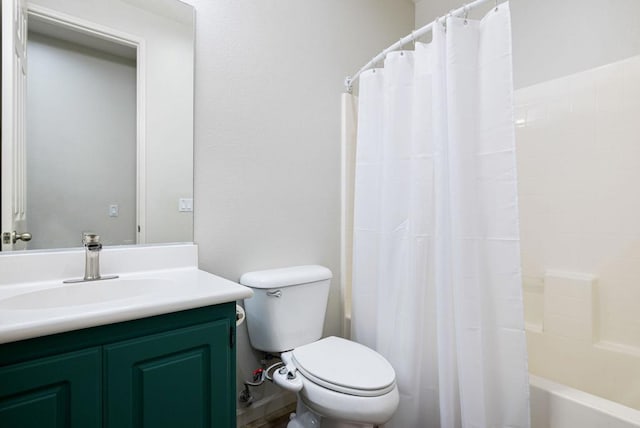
288,306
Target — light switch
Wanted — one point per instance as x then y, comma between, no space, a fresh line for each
185,204
114,210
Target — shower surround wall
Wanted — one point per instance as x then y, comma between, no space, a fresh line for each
578,169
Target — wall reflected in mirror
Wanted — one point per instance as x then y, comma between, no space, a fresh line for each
81,142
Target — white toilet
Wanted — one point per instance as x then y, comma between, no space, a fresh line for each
339,383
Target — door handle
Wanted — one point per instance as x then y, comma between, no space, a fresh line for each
13,237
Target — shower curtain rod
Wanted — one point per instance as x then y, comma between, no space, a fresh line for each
415,35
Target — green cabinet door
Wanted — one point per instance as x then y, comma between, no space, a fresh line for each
59,391
179,378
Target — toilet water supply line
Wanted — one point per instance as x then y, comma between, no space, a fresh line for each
415,35
260,375
286,378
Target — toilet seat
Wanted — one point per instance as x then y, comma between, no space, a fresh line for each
350,408
346,367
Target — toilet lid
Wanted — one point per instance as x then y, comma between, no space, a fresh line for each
345,366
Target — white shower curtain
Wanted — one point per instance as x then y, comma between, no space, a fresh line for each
436,262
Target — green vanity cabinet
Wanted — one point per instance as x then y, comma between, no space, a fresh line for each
172,370
173,379
59,391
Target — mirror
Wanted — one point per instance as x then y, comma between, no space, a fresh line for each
100,122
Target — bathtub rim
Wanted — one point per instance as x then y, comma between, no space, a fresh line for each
608,407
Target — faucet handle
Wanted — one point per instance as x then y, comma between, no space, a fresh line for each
91,241
90,238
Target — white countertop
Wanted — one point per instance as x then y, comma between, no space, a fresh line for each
38,308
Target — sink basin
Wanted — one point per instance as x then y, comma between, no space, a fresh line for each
87,293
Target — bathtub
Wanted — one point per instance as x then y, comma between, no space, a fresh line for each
558,406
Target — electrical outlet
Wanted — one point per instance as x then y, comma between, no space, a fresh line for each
185,205
114,210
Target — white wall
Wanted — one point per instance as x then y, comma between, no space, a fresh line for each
81,111
168,41
555,38
267,130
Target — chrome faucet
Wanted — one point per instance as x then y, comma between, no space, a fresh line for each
92,247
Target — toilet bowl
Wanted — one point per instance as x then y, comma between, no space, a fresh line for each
341,380
339,383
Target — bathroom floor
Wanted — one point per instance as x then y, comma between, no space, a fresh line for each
281,422
277,420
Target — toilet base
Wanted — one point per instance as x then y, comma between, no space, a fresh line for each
305,418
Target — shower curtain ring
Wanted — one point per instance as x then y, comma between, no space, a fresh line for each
444,23
496,9
348,84
466,14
